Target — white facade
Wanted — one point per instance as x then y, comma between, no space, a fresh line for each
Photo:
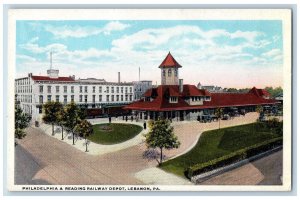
32,93
140,87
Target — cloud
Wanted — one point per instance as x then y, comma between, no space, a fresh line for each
272,53
200,52
85,31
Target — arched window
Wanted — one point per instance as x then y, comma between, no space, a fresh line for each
175,72
169,72
164,72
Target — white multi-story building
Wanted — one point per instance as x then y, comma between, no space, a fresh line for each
140,87
33,91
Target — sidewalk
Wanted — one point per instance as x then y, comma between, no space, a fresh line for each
94,148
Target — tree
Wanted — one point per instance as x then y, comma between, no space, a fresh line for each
61,120
72,118
21,122
84,129
51,109
219,113
161,135
274,92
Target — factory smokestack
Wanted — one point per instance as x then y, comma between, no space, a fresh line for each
119,77
139,74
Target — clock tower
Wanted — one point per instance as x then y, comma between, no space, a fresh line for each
169,71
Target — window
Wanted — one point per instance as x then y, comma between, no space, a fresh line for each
85,98
117,98
121,97
169,72
107,98
86,89
72,98
49,89
173,99
40,109
72,89
94,98
112,89
80,89
117,89
107,89
175,72
80,98
130,98
126,89
94,89
121,89
49,98
112,98
100,89
164,72
57,98
65,89
126,97
100,98
57,89
130,89
41,99
65,99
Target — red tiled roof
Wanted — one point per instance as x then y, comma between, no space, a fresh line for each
191,90
263,92
259,92
161,102
47,78
169,61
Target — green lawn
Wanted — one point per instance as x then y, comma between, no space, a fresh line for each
217,143
114,133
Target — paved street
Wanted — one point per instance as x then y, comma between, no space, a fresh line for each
56,162
264,171
44,159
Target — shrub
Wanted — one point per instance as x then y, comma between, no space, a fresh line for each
232,157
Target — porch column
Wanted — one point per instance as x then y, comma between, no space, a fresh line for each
154,115
183,115
148,115
143,115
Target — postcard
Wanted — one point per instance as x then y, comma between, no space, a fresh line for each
149,100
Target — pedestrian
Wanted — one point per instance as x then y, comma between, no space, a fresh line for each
145,125
126,118
131,118
109,119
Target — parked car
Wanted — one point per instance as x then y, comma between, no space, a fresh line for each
262,117
226,117
205,118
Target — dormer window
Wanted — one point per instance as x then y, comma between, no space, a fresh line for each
169,72
173,99
164,72
207,98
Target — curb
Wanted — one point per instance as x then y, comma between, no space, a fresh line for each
205,176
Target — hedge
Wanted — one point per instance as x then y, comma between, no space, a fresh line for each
233,157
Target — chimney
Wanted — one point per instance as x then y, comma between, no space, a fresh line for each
119,77
180,85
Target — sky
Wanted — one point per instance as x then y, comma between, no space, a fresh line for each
231,53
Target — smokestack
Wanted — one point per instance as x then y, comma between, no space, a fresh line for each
180,85
119,77
139,74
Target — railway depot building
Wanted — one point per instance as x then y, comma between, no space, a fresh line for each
177,101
